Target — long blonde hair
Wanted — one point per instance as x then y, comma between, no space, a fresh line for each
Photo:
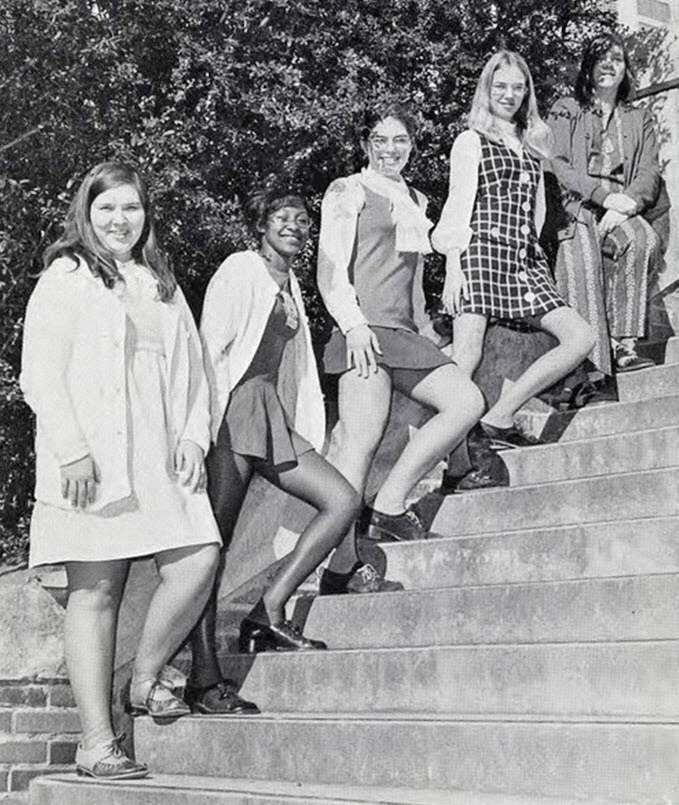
534,132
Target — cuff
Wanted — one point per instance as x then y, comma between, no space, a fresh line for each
599,195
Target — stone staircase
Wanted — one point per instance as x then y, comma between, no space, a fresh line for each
532,658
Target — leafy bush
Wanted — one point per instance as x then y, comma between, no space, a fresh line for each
209,97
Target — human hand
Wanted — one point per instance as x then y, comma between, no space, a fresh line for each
362,344
190,466
78,482
454,286
620,202
610,220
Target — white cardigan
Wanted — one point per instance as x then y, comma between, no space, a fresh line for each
238,303
73,377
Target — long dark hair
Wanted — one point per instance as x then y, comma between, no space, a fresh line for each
597,47
79,239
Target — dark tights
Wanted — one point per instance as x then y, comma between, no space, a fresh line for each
312,480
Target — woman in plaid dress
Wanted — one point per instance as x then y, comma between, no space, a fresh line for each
489,234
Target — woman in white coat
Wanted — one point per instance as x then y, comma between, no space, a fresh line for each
112,367
267,417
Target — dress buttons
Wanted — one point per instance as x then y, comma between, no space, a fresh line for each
529,297
524,178
525,229
522,253
526,206
495,232
522,276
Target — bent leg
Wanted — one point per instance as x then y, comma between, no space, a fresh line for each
186,580
458,404
576,338
95,590
314,481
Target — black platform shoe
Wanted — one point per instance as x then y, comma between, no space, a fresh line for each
257,633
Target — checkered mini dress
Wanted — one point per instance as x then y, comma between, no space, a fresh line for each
506,270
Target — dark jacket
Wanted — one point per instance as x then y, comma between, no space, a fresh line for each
574,155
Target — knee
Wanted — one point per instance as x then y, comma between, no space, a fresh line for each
584,340
345,502
470,399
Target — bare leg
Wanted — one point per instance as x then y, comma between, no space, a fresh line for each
576,339
186,580
95,590
315,481
469,330
363,413
458,404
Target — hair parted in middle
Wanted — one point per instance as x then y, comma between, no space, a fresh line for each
265,200
80,240
376,114
595,50
534,132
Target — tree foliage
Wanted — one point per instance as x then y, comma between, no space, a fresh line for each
210,96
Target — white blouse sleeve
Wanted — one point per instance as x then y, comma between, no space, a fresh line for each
453,230
540,204
341,205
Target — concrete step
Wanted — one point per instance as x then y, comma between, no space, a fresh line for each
615,609
176,789
660,381
633,495
634,681
625,452
189,789
607,419
661,351
621,761
618,548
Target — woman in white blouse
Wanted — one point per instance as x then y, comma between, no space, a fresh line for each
112,367
495,267
374,233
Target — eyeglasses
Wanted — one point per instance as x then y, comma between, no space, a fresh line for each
400,141
302,221
502,89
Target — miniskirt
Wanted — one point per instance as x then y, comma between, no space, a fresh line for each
401,349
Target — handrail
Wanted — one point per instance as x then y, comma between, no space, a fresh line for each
654,89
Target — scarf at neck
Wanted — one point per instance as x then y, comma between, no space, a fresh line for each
410,220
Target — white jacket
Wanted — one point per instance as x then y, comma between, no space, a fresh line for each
73,376
238,303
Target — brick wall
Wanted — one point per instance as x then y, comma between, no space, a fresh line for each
39,731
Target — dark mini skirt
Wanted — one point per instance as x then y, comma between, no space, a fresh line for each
401,349
255,425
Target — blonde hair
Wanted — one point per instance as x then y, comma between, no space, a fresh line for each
533,131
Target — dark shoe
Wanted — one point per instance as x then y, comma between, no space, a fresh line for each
449,483
508,438
257,633
593,393
221,699
367,580
396,527
161,703
108,761
627,360
482,479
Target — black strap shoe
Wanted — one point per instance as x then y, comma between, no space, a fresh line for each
221,699
508,438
